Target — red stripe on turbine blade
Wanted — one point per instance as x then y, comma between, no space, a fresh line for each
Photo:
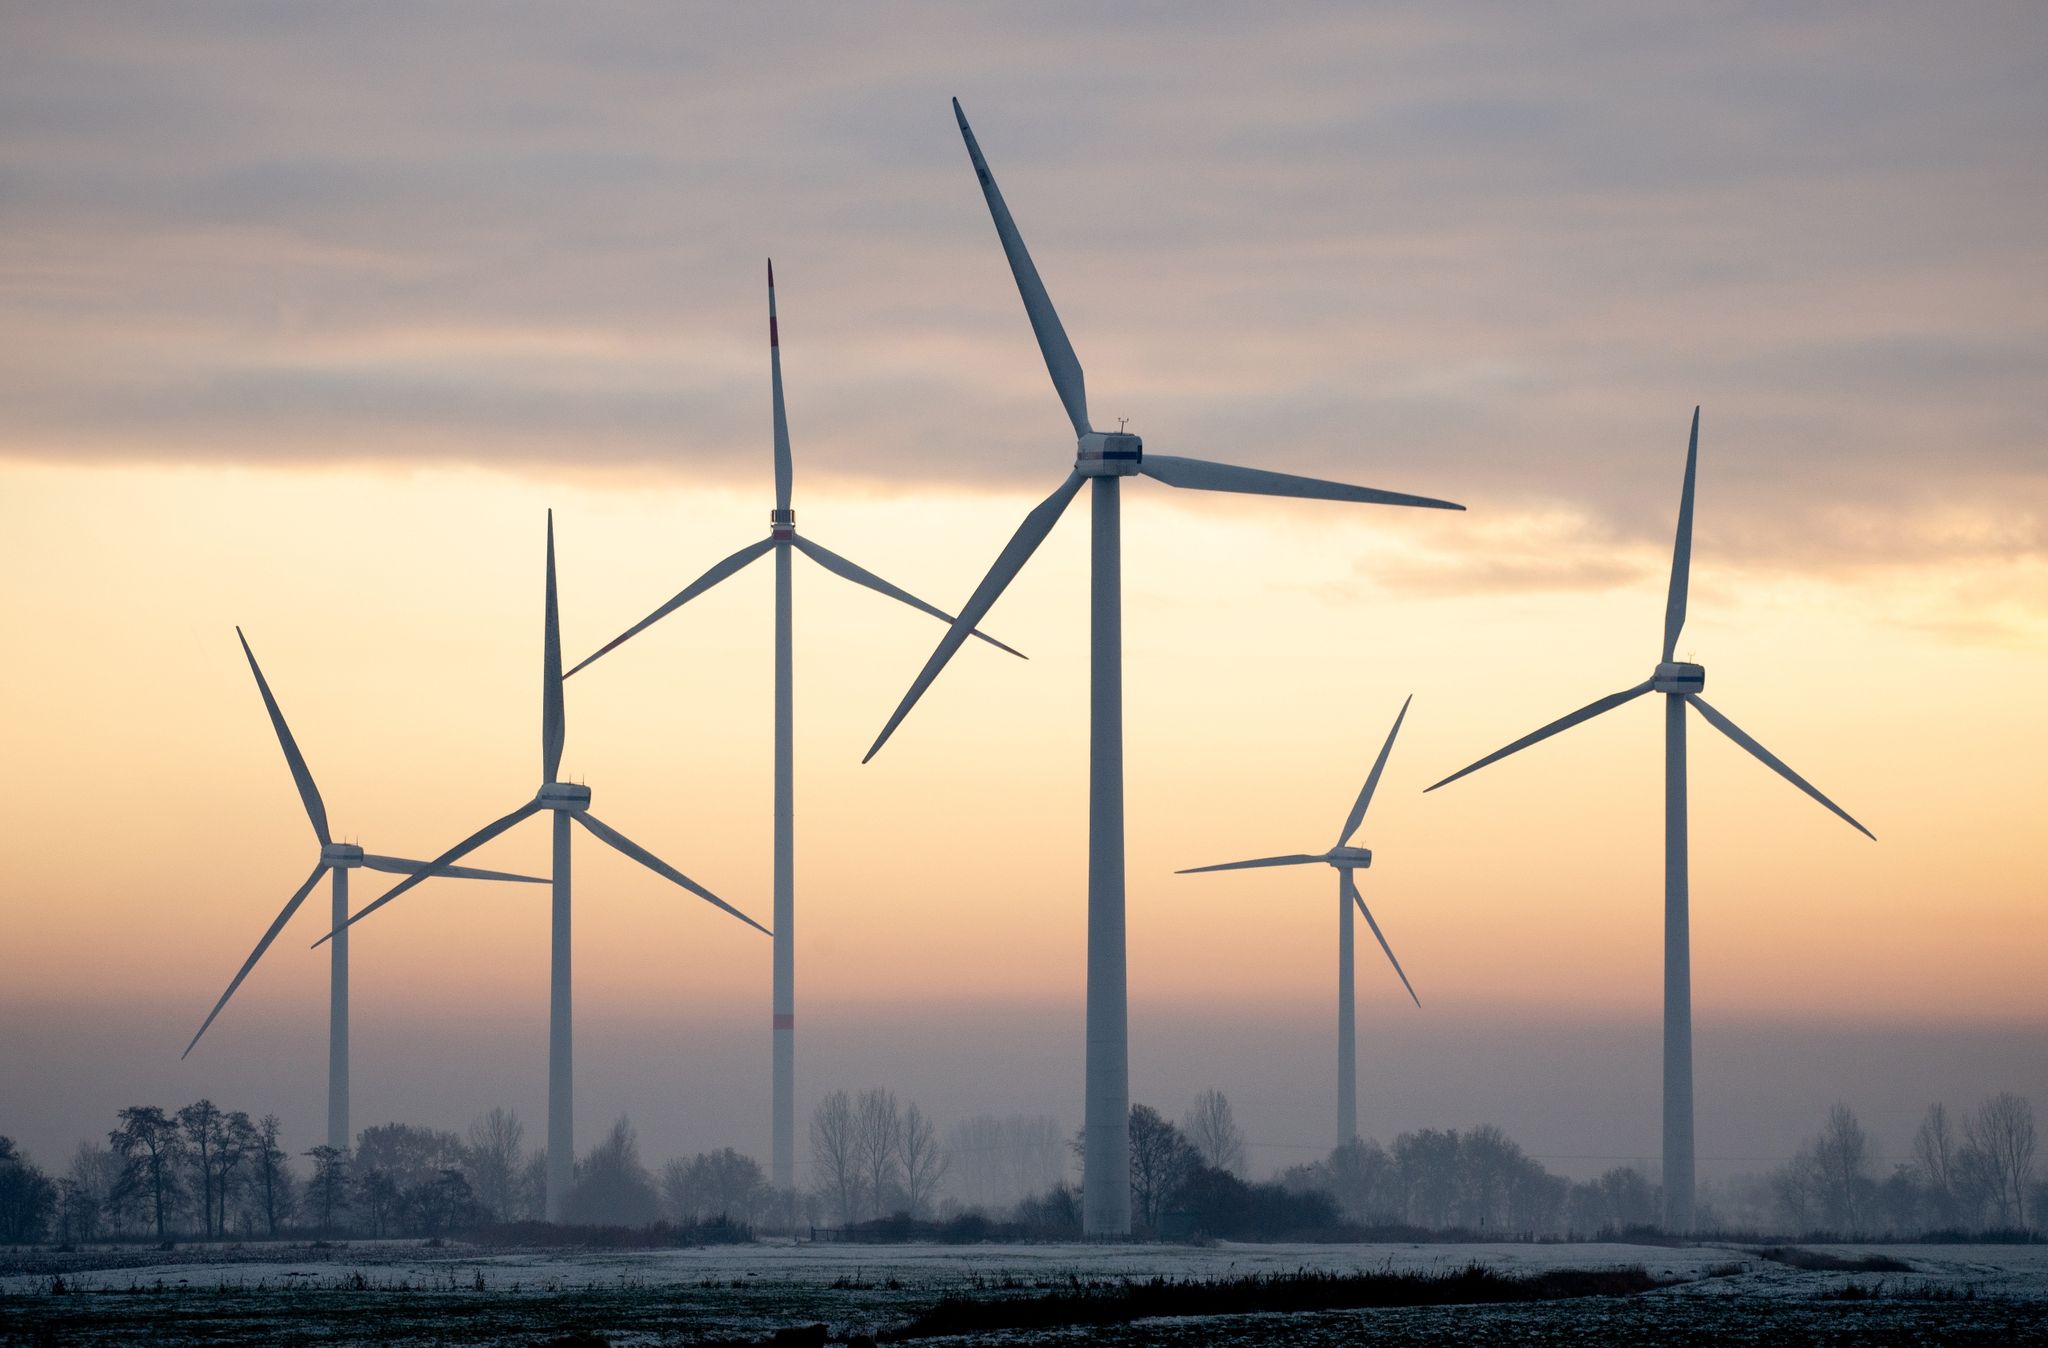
773,338
784,1021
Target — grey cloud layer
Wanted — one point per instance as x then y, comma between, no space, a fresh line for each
1488,254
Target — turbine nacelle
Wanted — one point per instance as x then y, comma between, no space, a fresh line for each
342,856
1679,677
782,525
1108,454
1349,858
568,796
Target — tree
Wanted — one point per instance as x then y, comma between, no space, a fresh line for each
714,1184
1934,1154
87,1187
204,1128
496,1145
410,1155
1427,1162
1362,1180
1842,1171
377,1196
1212,1130
611,1186
440,1204
237,1143
1161,1162
328,1188
835,1167
151,1149
998,1162
272,1174
878,1148
27,1197
924,1161
1629,1198
2002,1133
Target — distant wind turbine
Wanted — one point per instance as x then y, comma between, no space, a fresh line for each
1344,859
568,800
339,858
1105,457
782,536
1680,682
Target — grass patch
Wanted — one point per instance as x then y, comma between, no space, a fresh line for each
1118,1302
1905,1291
1819,1261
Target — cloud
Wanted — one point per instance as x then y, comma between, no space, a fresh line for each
1487,255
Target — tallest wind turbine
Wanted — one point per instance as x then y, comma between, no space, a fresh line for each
1680,682
1106,458
782,536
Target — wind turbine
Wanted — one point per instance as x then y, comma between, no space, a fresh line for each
1105,458
340,859
782,536
1680,682
1344,859
568,800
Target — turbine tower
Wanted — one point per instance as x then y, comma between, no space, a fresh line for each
782,536
1680,682
340,859
1104,458
1344,859
567,800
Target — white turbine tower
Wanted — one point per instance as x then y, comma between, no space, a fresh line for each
782,536
1344,859
568,800
339,858
1680,682
1105,458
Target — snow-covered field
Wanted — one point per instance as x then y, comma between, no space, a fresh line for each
403,1292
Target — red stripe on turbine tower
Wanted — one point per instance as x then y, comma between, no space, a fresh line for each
784,1021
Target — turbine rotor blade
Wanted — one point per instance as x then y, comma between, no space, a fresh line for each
1351,888
309,794
554,726
859,575
401,866
1060,360
1372,779
717,573
606,833
1008,563
1681,548
1772,761
439,864
1585,713
783,470
1203,475
284,915
1294,859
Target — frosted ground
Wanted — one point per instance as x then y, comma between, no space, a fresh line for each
404,1292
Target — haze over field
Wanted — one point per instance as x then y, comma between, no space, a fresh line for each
308,321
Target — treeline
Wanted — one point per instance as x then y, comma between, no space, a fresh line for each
1967,1175
202,1172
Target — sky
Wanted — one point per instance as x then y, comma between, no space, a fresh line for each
310,315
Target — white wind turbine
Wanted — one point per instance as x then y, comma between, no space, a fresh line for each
339,858
568,800
782,536
1680,682
1105,458
1344,859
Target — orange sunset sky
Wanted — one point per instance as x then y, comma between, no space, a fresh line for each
308,321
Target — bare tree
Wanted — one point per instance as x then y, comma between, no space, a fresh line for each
924,1161
878,1148
1934,1154
1842,1171
1161,1162
151,1148
1213,1131
2002,1133
91,1176
497,1142
203,1126
272,1177
328,1188
835,1167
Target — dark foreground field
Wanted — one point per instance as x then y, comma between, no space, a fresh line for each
396,1293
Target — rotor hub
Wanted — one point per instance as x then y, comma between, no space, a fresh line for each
1108,454
1678,676
1350,858
570,796
782,525
343,856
